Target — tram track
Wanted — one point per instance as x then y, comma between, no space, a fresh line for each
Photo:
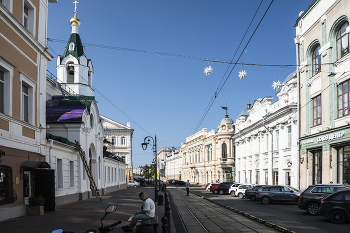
208,219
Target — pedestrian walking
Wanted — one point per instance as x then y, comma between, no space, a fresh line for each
188,187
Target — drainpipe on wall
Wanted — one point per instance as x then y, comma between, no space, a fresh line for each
297,44
50,151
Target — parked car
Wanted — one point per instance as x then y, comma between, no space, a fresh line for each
223,188
277,193
336,206
214,188
240,191
251,193
133,183
207,188
310,199
170,181
233,189
179,182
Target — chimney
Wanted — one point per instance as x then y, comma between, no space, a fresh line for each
128,124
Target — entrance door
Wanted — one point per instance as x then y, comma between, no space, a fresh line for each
44,185
317,167
27,186
344,165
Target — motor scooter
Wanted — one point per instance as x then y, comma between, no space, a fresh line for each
102,229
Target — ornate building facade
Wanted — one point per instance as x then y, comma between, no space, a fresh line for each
322,39
209,156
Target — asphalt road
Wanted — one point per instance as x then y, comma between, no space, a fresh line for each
286,215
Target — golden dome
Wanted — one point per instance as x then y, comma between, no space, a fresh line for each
75,20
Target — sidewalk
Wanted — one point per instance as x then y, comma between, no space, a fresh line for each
83,215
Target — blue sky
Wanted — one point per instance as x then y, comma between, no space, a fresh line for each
167,95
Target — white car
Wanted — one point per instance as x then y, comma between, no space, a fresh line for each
133,183
233,189
240,191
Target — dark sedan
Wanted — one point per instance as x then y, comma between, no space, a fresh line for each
223,188
277,193
336,207
179,182
251,193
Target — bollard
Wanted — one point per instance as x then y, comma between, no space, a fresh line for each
165,224
160,199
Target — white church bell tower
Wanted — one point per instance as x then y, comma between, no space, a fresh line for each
73,67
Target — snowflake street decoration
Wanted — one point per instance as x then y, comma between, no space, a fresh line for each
208,70
335,82
277,85
242,74
309,83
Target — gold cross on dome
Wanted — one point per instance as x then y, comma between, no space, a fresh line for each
75,2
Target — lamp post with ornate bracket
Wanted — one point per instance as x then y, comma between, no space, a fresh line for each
147,141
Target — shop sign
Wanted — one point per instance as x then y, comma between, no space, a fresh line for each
330,137
308,142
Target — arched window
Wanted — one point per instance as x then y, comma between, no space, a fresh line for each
342,41
71,47
316,60
92,121
224,150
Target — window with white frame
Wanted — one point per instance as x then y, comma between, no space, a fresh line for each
6,73
289,136
25,102
122,141
71,173
2,91
113,141
316,60
342,41
59,173
7,4
317,110
277,140
29,16
343,99
71,47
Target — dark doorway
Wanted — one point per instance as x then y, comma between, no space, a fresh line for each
44,185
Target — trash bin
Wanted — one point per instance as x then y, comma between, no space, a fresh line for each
160,199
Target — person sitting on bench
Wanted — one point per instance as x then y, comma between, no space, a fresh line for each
147,212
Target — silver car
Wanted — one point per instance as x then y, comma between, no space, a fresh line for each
277,193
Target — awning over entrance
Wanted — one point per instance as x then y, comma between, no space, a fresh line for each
35,164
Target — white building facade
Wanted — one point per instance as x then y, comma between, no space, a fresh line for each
266,141
120,138
173,164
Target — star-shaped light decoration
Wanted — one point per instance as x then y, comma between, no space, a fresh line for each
208,70
277,85
335,82
309,83
242,74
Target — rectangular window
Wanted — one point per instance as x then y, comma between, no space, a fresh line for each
113,141
317,167
25,103
343,99
266,178
289,131
25,16
2,91
267,142
317,110
275,178
277,140
257,178
122,142
59,173
71,173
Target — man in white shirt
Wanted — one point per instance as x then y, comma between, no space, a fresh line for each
148,211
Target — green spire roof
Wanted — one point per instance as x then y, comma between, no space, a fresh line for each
78,47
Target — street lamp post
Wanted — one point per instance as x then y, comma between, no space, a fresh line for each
147,141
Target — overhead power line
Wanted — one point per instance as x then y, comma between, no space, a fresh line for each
218,90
